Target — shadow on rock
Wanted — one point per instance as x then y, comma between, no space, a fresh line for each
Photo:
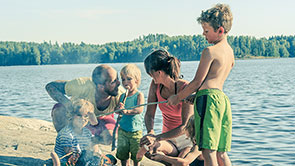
20,161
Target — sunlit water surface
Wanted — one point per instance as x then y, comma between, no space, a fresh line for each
261,92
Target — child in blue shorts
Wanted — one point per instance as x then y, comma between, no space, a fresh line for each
130,130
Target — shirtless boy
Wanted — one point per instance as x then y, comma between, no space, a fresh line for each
213,117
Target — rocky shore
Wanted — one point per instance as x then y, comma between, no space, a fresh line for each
29,142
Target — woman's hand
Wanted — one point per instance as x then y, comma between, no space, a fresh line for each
173,100
148,139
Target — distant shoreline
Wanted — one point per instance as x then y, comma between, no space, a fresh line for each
259,57
184,47
244,58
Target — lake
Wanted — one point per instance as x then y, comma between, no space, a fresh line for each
261,92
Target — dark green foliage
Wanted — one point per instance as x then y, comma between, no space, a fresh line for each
186,48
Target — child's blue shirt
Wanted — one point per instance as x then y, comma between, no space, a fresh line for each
131,123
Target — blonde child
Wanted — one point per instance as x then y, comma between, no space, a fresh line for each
74,137
212,107
130,130
74,142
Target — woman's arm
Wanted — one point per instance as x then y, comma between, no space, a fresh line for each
151,109
149,117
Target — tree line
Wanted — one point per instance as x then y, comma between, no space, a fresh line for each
185,47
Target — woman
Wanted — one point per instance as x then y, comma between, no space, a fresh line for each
165,71
189,156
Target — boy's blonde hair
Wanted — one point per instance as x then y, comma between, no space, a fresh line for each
131,70
190,128
218,16
81,105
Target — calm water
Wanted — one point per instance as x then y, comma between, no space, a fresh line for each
261,92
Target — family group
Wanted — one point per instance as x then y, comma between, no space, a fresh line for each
196,115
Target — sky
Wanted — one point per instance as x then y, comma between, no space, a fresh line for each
104,21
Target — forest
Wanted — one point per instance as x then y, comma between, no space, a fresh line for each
184,47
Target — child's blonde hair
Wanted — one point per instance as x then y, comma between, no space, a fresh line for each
218,16
131,70
190,128
81,105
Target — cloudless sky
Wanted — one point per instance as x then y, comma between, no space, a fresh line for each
103,21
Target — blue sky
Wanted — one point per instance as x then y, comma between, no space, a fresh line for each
102,21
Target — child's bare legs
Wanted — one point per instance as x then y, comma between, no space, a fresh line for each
223,159
210,157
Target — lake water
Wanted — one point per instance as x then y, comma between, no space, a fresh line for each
261,92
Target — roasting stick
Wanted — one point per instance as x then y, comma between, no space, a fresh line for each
130,108
117,122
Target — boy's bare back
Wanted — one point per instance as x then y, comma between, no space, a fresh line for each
222,61
217,60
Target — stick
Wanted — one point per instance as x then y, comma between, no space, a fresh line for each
114,145
66,155
145,104
125,97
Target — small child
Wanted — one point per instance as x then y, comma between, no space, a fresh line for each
130,130
212,107
73,143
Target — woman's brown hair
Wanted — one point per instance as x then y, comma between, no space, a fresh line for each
161,60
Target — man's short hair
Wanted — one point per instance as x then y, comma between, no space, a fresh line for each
99,74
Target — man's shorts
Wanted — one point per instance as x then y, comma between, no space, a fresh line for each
213,120
128,142
181,142
104,123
